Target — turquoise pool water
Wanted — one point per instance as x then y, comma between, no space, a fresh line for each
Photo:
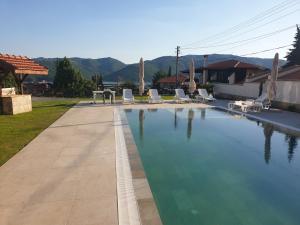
208,167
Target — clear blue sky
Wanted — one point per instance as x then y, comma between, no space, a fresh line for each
129,29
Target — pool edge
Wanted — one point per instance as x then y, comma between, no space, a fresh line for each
136,204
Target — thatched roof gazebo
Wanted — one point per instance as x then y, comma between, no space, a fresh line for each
20,67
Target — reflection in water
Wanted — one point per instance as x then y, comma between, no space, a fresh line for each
268,131
203,113
190,121
152,110
141,123
175,116
128,110
292,145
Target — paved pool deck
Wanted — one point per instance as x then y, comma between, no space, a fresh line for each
67,175
281,117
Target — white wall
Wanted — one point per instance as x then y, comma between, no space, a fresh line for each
287,91
250,90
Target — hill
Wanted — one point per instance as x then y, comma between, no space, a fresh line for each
130,72
114,70
88,67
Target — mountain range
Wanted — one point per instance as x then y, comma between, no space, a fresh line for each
114,70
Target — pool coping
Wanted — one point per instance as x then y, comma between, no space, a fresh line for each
136,204
287,128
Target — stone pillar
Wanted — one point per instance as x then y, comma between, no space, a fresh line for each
205,71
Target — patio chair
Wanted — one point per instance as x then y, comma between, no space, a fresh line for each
154,97
203,95
127,96
180,96
263,101
245,106
255,105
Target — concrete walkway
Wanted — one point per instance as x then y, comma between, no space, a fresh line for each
66,176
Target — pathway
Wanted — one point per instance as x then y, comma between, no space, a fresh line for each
65,176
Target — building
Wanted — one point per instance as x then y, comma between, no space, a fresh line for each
42,88
287,88
229,71
170,82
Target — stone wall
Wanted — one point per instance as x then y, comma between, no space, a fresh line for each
16,104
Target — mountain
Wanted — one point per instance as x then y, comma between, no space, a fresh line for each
88,67
114,70
130,72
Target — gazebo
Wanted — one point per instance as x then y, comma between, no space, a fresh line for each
20,67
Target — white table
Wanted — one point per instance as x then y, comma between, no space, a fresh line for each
112,94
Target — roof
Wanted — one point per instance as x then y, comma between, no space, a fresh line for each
228,64
172,79
291,73
21,65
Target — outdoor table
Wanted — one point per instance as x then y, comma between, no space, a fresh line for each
112,96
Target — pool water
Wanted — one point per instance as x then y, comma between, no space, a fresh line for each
209,167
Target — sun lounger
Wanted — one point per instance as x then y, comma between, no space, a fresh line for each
255,105
180,96
262,100
154,97
203,95
127,96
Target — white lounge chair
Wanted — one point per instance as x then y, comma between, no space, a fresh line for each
245,106
263,101
154,97
256,105
127,96
180,96
203,95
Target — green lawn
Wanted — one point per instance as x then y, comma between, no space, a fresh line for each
18,130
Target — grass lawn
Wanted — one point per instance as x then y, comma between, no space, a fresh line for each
18,130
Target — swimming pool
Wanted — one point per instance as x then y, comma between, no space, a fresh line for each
209,167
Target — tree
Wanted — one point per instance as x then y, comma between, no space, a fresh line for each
69,82
98,80
170,71
293,57
157,76
9,81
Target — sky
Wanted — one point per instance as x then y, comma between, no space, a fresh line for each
130,29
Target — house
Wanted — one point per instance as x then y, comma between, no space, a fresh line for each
229,71
287,88
170,82
42,88
291,73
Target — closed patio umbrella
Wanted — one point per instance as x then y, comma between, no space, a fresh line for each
141,77
192,84
271,89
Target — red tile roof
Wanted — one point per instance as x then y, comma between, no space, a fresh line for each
229,64
172,79
291,73
21,65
